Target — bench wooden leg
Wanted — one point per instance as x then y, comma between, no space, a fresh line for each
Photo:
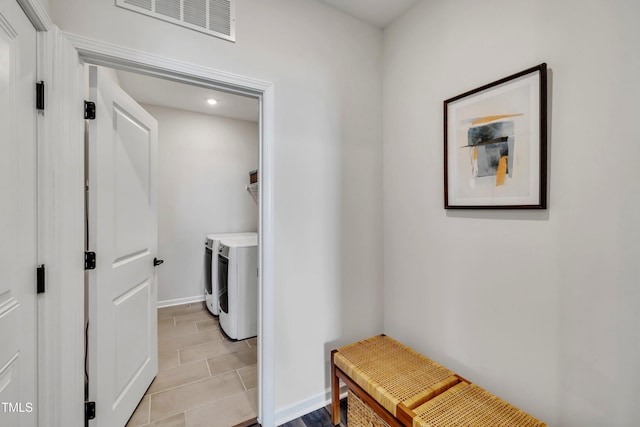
335,393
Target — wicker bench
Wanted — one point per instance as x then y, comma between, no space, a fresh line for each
392,385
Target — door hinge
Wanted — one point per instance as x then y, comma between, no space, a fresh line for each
40,279
89,260
89,412
89,110
40,95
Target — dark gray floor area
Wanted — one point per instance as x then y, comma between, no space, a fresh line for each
320,418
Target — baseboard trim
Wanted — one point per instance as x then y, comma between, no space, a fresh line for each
306,406
180,301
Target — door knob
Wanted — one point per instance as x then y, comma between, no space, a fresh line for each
157,262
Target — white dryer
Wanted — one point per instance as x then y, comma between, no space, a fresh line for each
211,267
238,287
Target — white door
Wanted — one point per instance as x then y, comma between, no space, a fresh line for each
18,255
123,339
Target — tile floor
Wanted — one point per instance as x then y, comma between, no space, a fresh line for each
204,379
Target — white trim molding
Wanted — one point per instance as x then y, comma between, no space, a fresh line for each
180,301
37,14
266,261
110,55
306,406
100,53
60,234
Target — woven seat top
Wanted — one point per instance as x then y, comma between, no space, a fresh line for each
467,405
393,373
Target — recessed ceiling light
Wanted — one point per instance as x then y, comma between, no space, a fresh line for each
212,101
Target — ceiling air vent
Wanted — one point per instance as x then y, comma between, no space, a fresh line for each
215,17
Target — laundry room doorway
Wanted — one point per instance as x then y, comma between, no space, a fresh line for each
261,94
186,170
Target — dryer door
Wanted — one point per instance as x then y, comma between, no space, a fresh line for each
223,281
207,271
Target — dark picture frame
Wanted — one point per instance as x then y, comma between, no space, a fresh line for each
495,144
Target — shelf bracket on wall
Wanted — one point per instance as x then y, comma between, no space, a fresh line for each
253,190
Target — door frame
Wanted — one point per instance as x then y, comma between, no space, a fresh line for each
100,53
60,231
60,139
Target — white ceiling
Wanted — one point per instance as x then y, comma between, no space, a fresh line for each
169,94
379,13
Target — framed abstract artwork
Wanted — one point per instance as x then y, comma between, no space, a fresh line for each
495,144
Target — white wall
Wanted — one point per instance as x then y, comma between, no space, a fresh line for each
203,165
326,69
542,308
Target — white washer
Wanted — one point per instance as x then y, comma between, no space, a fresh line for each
238,285
211,267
